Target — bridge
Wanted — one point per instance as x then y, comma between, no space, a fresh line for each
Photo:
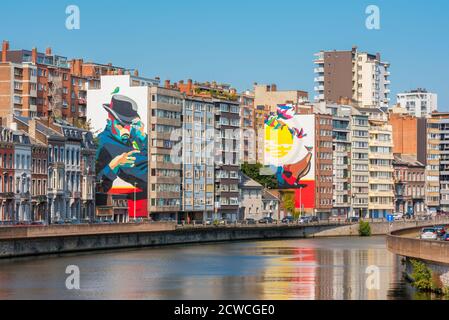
433,253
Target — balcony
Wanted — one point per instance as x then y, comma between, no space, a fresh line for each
82,101
318,70
319,79
319,88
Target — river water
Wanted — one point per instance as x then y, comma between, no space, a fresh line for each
330,268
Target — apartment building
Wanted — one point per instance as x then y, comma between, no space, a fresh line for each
409,185
418,102
437,170
341,128
248,145
409,134
323,164
226,151
360,173
166,174
355,75
381,193
350,161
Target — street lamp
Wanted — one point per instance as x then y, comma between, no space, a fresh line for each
135,205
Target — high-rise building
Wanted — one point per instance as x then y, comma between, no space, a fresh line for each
248,145
355,75
437,169
381,193
418,102
226,151
323,155
165,173
350,160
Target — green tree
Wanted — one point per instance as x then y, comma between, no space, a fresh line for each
422,276
253,171
288,201
364,229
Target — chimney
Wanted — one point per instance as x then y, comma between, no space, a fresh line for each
189,86
34,55
32,128
48,51
5,48
167,84
136,73
274,87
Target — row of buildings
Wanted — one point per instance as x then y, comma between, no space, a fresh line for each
370,160
47,171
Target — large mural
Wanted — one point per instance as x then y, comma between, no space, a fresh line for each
118,114
289,152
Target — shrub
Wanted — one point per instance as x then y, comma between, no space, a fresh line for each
364,229
422,276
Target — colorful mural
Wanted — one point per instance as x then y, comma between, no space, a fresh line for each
289,152
122,154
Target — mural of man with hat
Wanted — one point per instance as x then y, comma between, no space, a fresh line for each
122,155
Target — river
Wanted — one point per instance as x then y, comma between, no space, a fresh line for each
327,268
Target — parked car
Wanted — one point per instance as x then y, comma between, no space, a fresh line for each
209,222
288,219
250,221
38,223
441,231
398,217
353,220
267,220
314,219
429,234
224,221
304,219
445,237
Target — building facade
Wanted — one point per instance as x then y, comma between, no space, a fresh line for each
355,75
418,102
409,135
409,186
22,176
437,169
7,198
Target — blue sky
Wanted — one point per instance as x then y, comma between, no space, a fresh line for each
241,42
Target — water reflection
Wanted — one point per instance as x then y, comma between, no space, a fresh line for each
289,269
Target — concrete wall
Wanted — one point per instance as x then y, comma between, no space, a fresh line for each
64,239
